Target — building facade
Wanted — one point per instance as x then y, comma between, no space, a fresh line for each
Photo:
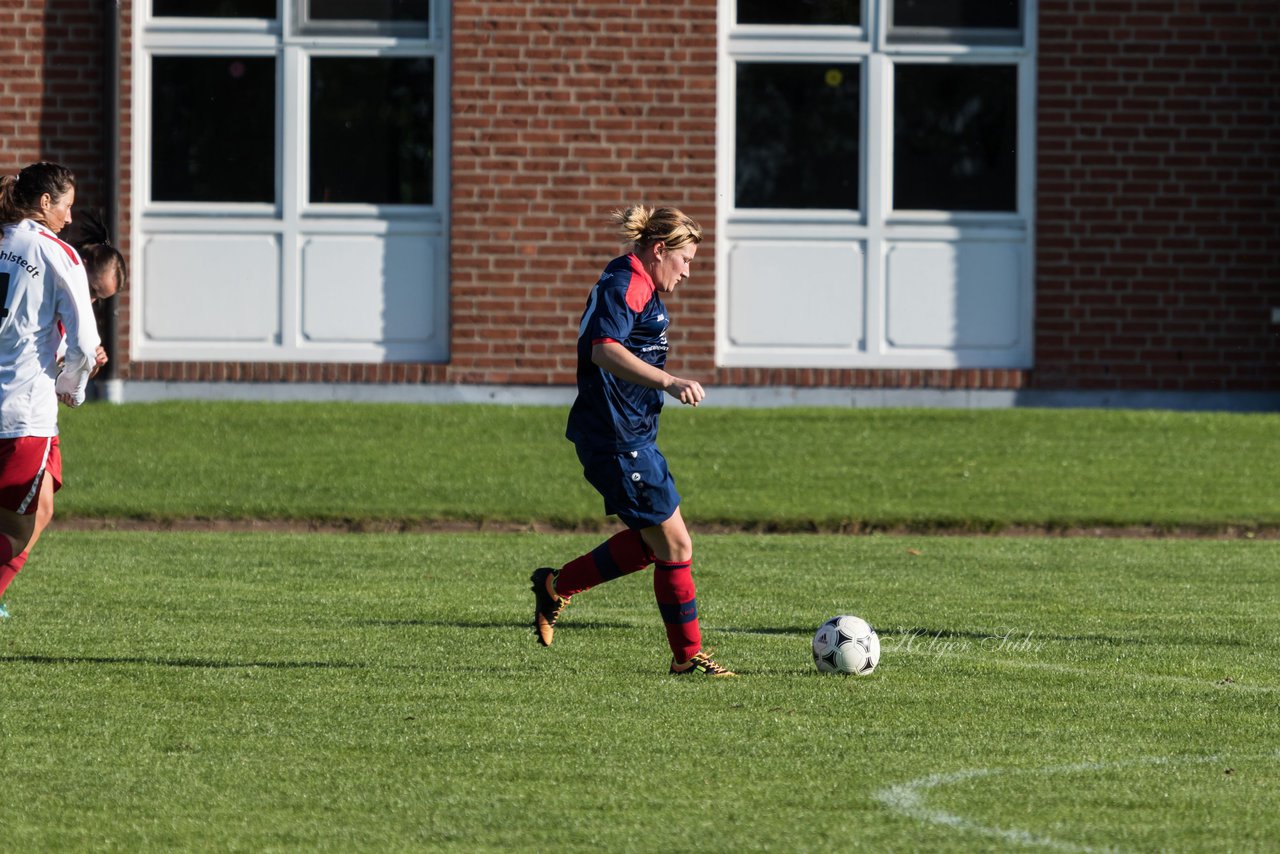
907,201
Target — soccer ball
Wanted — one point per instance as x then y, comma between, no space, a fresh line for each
846,644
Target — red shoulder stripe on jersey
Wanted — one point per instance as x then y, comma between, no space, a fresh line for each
71,253
640,289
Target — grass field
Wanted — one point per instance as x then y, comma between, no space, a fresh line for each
242,691
381,692
789,469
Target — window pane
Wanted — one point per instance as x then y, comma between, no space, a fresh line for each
955,137
838,12
370,10
214,9
213,129
797,135
976,14
372,130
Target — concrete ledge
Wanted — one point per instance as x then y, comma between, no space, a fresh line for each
925,398
119,391
1187,401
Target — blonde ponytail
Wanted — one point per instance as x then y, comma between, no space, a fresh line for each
641,226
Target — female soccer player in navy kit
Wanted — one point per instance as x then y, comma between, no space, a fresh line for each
622,353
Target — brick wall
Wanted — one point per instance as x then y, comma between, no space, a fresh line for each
557,118
51,95
51,91
562,112
1158,236
1158,224
1158,244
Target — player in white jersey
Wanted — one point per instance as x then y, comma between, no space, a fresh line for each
44,294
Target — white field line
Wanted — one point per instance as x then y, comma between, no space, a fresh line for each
909,798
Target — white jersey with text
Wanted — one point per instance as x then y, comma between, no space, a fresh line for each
42,285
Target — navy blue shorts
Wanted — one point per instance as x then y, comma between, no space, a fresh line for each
636,485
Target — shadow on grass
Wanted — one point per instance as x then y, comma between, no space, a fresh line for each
493,624
180,662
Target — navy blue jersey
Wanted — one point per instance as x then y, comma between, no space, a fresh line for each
611,414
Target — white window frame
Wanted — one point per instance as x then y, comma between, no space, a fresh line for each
875,229
293,217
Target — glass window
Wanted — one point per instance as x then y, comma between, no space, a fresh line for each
955,137
372,125
797,135
213,121
214,8
957,14
369,10
837,12
888,168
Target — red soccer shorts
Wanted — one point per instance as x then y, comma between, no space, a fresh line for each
24,462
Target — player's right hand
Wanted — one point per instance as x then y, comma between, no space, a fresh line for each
688,392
